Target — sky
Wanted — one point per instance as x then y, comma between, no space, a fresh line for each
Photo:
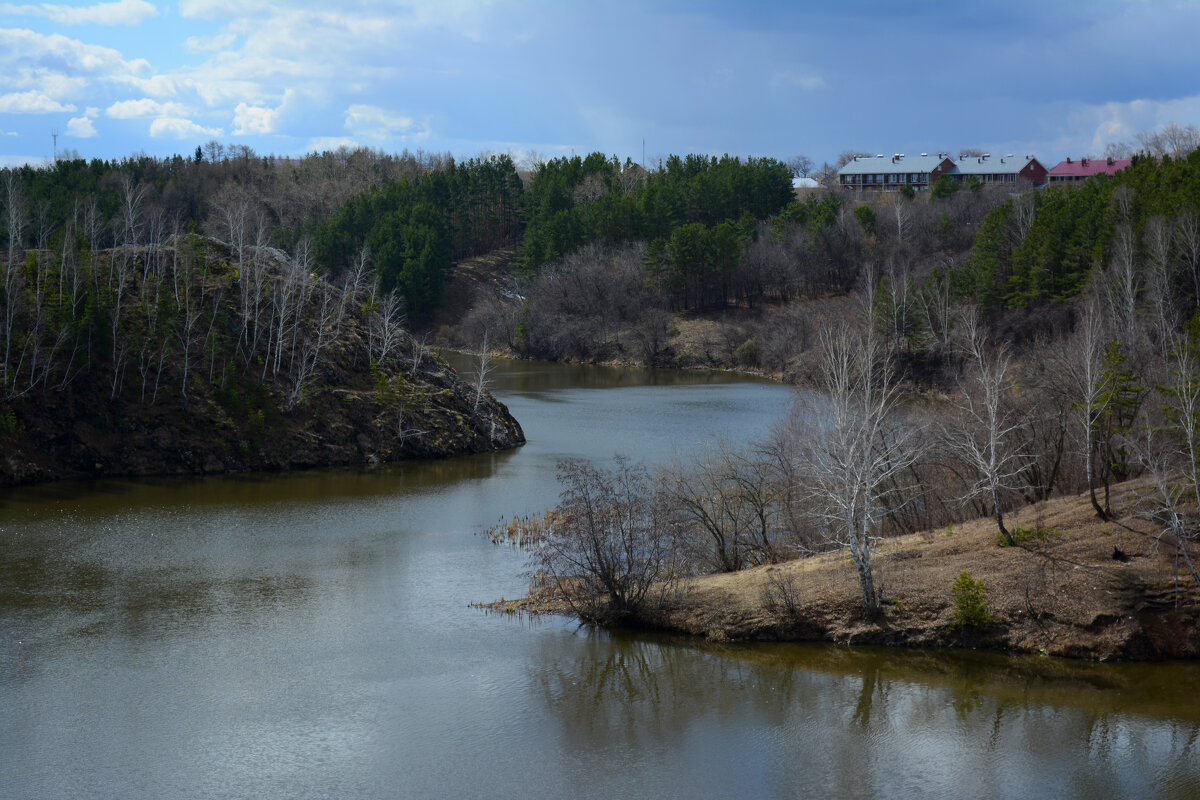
543,78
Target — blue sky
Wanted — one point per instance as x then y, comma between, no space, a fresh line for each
754,77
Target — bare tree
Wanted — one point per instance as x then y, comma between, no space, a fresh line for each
324,330
14,275
1171,451
846,156
982,435
1022,217
1172,139
189,278
706,500
853,447
902,212
610,551
935,312
420,349
1158,239
133,196
121,273
800,165
1091,389
1121,284
385,327
483,369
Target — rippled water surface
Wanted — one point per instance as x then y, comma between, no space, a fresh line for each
309,635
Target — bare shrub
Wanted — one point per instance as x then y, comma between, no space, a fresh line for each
611,554
781,598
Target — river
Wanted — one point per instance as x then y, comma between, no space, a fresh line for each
309,635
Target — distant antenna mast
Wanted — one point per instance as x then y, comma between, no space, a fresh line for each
643,154
54,138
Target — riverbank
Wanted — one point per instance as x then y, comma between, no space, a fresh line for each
1076,587
355,416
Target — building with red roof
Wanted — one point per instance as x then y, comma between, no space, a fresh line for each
1074,171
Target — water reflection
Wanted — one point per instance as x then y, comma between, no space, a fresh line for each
20,504
547,378
868,723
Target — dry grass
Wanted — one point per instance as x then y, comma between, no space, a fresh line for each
1064,592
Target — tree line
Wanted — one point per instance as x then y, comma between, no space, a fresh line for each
1047,246
575,201
416,228
626,301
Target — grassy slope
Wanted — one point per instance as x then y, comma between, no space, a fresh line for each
1064,594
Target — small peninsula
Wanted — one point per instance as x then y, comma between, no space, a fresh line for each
191,358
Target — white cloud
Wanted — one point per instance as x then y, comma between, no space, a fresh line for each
323,143
156,85
374,122
31,103
49,82
1120,122
58,55
179,128
219,9
145,107
81,128
252,119
20,161
210,44
120,12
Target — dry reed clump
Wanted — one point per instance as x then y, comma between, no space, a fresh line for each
523,532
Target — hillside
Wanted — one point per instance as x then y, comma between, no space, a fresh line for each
207,361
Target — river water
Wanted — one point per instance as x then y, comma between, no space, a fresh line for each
310,635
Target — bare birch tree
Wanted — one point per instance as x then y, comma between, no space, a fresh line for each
1160,282
325,329
14,275
1121,285
385,327
853,445
982,435
483,370
1090,390
1171,454
1187,232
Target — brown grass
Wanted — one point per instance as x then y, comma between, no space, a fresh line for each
1064,592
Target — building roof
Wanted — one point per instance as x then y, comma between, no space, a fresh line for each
991,165
893,163
1086,167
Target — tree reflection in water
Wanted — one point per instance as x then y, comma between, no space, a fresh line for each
870,723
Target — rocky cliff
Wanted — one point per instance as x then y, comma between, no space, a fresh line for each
328,377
